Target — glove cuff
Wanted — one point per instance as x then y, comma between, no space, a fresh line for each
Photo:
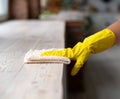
100,41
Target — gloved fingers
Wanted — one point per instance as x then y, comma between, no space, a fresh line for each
52,53
64,52
76,68
69,53
79,62
77,48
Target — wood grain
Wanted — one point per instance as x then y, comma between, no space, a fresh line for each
29,81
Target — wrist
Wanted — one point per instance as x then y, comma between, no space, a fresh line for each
115,28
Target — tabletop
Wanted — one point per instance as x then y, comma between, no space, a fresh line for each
30,81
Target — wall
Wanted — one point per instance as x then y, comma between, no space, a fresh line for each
102,20
3,10
24,9
113,5
18,9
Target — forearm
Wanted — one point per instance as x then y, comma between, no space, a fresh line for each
115,27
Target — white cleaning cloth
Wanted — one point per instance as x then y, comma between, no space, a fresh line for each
33,57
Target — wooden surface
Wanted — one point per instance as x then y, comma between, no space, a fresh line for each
75,25
29,81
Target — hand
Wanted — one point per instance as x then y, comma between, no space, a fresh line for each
95,43
78,52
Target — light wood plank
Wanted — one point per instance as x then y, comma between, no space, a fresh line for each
25,81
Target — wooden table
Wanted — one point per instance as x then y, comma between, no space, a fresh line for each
75,32
30,81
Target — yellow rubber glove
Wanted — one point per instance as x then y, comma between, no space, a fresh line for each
95,43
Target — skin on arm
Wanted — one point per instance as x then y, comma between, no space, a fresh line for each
115,27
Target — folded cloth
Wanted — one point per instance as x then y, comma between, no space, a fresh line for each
33,57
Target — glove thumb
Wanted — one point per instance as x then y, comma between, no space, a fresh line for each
76,67
80,61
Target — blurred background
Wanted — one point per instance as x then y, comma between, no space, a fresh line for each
100,77
96,10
